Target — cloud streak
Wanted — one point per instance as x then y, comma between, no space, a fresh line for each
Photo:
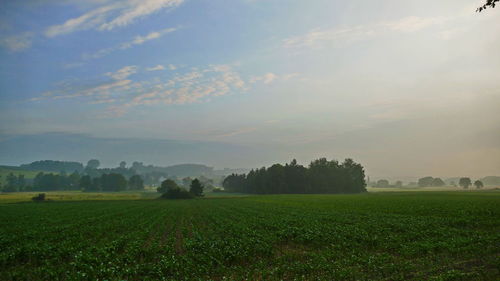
112,15
319,38
16,43
138,40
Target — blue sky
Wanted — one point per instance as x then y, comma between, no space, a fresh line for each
405,87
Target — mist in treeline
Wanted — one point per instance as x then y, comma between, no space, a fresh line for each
321,176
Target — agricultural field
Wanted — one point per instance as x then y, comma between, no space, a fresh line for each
373,236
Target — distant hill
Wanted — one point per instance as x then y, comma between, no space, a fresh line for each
491,180
54,166
20,149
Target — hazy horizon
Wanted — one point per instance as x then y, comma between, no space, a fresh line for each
406,88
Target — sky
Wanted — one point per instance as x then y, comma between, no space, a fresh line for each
407,88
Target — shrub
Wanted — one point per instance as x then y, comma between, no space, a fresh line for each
178,193
40,197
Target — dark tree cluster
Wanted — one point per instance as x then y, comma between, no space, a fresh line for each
430,181
14,183
322,176
54,182
110,183
171,190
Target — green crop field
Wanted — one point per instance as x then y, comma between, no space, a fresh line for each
377,236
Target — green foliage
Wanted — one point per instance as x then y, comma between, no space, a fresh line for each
135,183
196,188
170,190
425,181
113,182
167,185
39,198
389,236
465,182
382,183
478,184
50,182
179,193
322,176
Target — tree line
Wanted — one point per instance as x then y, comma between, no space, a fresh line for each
74,181
171,190
321,176
464,182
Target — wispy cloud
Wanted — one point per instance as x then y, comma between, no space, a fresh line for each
319,38
112,15
138,40
236,132
267,78
18,42
123,72
100,92
190,87
156,68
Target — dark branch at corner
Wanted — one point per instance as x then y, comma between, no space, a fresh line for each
489,4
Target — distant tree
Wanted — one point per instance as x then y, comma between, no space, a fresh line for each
136,183
170,190
96,184
123,164
478,184
383,183
426,181
11,183
85,183
196,188
93,164
398,184
74,181
322,176
465,182
40,197
113,182
167,185
488,4
437,182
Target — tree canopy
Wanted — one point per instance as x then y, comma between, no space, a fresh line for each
465,182
322,176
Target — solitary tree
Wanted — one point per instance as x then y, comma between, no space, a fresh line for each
426,181
196,188
437,182
167,185
478,184
382,183
465,182
123,164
